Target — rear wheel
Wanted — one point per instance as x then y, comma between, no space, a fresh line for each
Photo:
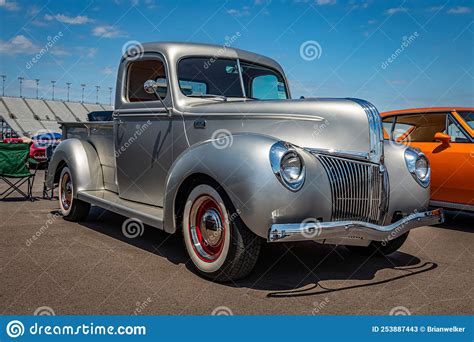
380,247
72,208
220,246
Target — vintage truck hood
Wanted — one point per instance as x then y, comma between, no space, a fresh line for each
324,123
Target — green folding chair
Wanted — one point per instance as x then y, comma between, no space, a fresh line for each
14,170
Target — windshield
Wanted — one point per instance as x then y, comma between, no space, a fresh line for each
468,117
211,77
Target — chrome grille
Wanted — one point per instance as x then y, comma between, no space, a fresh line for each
358,189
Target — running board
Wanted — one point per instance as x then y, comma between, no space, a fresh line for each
452,206
111,201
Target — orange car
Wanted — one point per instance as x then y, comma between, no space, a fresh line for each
446,136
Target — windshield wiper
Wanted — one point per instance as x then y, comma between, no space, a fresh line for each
222,97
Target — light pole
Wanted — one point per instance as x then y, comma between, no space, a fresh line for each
3,84
97,94
21,83
82,97
52,84
110,96
37,86
68,86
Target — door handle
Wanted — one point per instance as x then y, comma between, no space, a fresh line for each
200,123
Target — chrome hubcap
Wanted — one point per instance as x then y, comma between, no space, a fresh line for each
211,227
207,228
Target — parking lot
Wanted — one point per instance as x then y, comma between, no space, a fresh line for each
92,268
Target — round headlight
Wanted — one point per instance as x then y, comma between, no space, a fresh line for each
287,165
422,167
291,167
418,165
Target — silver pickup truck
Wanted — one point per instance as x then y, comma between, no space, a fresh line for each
206,141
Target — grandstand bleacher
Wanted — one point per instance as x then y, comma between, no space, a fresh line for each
9,125
26,117
78,109
94,107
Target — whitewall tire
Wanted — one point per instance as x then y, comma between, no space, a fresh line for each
72,208
219,245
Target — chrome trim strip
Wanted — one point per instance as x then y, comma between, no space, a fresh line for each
451,205
363,156
146,112
375,130
352,229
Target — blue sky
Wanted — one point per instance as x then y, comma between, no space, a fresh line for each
396,54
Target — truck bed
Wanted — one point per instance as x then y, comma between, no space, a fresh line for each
100,135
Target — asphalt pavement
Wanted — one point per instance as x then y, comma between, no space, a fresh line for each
92,268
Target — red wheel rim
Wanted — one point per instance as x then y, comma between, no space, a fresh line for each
207,228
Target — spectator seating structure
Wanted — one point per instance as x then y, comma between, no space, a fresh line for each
78,109
5,116
27,117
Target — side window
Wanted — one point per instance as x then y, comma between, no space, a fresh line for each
268,87
141,71
419,127
263,83
402,131
457,136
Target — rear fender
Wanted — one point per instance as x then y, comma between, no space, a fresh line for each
83,161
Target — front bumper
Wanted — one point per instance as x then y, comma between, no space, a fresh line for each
352,229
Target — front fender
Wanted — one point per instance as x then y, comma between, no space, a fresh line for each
406,195
83,161
243,170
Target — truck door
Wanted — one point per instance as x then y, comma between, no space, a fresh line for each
143,131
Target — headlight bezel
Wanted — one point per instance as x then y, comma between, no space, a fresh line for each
412,157
279,152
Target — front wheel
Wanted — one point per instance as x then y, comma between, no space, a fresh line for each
220,246
72,208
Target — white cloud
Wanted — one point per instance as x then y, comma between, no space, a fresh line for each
325,2
77,20
108,71
107,31
394,10
39,23
32,11
434,8
18,45
9,5
86,52
359,5
459,10
59,52
244,11
91,52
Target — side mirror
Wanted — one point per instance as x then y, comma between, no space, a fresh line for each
442,137
150,86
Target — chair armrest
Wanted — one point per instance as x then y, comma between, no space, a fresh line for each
33,161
